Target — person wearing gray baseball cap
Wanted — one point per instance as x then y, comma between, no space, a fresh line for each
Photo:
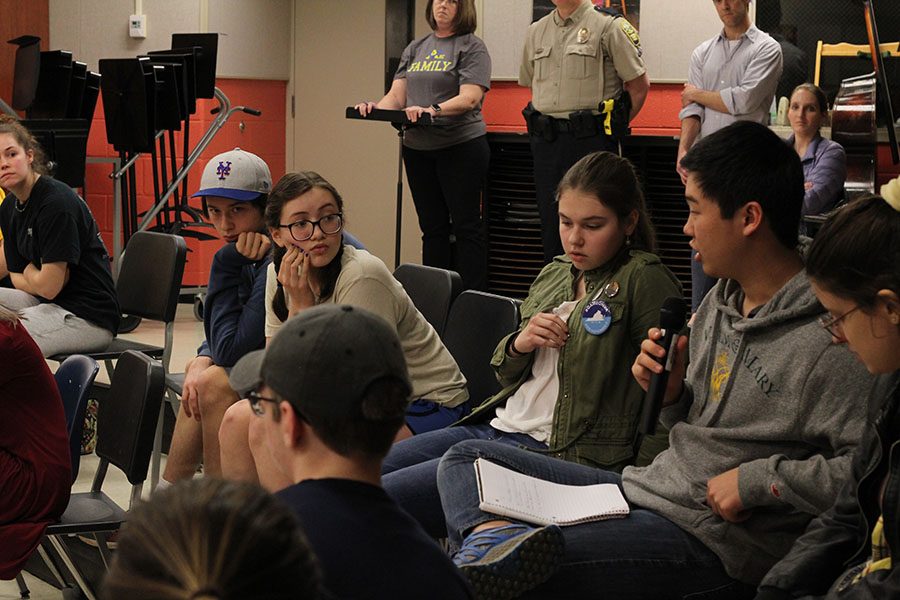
332,389
233,190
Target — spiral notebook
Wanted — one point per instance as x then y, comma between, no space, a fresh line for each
505,492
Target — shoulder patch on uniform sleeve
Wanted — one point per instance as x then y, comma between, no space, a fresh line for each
631,32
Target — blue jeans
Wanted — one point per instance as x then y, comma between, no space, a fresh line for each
641,556
409,472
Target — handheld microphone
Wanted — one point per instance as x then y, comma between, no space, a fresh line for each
671,320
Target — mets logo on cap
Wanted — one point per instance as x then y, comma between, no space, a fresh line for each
224,169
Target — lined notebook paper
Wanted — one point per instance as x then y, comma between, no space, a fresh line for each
502,491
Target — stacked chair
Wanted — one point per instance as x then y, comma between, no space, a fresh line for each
148,287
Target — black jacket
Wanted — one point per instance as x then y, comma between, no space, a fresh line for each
840,538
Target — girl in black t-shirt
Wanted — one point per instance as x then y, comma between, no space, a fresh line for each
52,252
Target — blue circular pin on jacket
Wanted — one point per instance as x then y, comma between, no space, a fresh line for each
596,317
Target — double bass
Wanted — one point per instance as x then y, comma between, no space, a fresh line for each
857,106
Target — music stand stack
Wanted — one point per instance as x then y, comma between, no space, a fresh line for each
58,95
147,100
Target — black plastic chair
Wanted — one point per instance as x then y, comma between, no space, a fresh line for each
74,378
125,430
148,287
476,324
431,290
175,382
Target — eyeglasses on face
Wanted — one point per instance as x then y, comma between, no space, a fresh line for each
256,400
833,324
303,229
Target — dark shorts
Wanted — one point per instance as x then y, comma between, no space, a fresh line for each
425,415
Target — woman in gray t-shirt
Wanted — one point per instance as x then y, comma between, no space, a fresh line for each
446,74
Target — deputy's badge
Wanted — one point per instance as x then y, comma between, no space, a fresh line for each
611,289
583,35
596,317
632,34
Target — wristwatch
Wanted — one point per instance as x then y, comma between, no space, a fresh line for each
436,107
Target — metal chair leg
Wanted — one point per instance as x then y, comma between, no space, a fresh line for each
24,592
103,545
156,456
60,548
52,566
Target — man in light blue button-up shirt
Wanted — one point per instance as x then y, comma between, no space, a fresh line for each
732,77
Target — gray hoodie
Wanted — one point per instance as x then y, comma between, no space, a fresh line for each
769,394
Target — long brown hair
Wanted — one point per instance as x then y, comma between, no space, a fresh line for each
613,181
23,137
857,252
212,539
8,316
294,185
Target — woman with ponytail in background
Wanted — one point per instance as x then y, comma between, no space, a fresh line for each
312,265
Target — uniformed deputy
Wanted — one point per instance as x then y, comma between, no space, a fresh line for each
576,60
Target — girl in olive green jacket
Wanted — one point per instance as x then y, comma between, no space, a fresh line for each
568,388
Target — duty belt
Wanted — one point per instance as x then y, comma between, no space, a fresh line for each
612,122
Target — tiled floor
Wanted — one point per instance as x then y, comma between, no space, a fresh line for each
187,337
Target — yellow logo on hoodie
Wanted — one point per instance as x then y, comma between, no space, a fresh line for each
719,377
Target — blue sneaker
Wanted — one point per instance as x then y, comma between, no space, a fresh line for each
503,562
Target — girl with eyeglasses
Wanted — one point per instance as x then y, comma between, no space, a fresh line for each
854,268
312,265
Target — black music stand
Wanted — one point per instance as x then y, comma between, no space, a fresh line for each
91,92
27,70
124,87
188,58
52,94
401,123
205,47
172,110
76,90
65,143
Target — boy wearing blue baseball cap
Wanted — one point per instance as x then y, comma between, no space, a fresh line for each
234,188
